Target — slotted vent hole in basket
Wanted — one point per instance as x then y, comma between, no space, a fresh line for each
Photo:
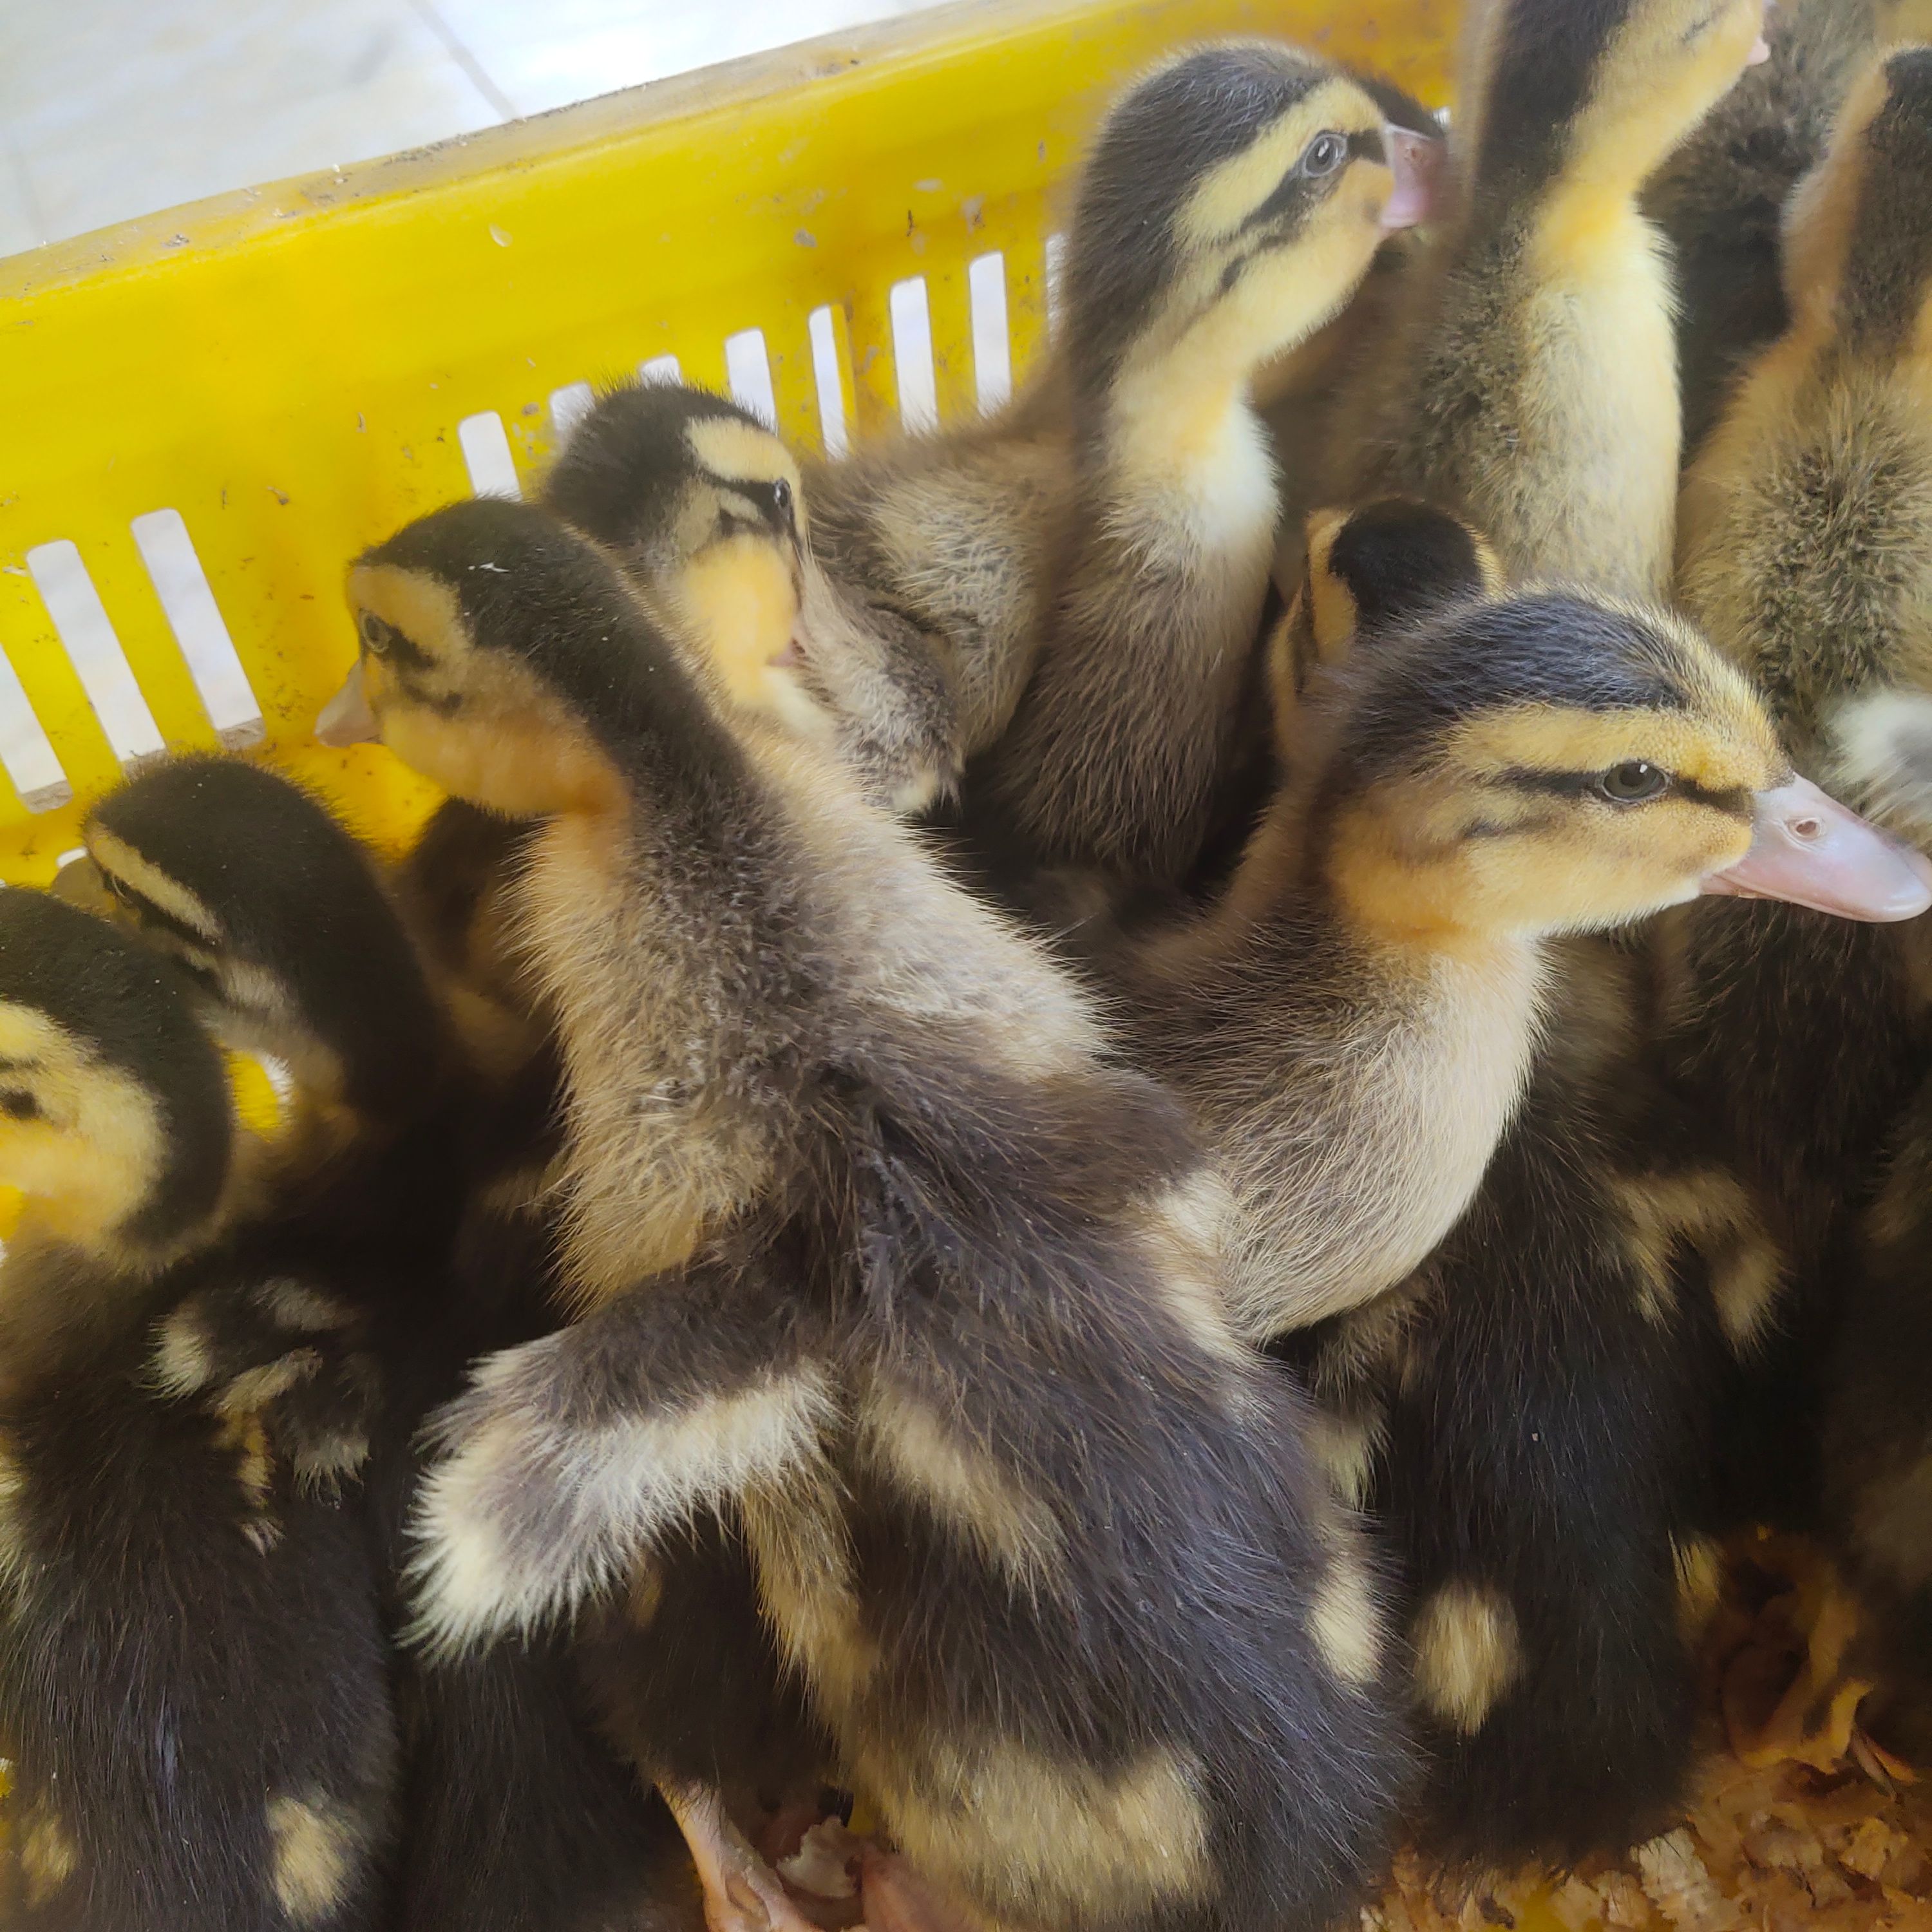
747,369
486,454
568,406
1056,257
661,369
94,650
181,587
24,749
912,356
829,378
992,353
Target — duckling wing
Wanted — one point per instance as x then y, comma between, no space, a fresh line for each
571,1456
284,1352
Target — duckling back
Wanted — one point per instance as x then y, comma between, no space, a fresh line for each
1530,384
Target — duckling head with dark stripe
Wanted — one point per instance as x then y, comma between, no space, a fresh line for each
524,718
115,1117
705,509
276,910
1236,196
1542,763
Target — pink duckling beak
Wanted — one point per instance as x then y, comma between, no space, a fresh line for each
1417,160
347,719
1811,850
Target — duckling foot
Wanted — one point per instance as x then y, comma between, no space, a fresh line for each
742,1893
898,1900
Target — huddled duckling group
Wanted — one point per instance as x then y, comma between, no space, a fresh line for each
1092,1156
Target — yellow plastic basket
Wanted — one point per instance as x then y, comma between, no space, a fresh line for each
210,410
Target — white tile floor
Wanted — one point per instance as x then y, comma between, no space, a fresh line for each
111,108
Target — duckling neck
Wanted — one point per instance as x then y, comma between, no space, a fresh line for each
1354,1085
1175,443
1353,1074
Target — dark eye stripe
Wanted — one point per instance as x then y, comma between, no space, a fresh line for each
158,917
403,649
1294,188
1736,802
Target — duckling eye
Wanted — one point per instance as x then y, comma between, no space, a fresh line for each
781,496
377,636
17,1104
1632,781
1324,154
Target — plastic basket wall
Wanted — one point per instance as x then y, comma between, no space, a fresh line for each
208,412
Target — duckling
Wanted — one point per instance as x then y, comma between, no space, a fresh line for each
694,495
1806,554
1532,384
1517,1414
1875,1441
1521,1417
515,1814
1369,569
1233,200
1720,198
871,1242
1353,1023
192,1673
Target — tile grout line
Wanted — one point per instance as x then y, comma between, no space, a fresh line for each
454,46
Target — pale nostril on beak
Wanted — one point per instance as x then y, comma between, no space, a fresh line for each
1806,828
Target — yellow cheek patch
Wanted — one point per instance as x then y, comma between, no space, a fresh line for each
739,601
93,1155
1231,192
423,607
524,764
1554,738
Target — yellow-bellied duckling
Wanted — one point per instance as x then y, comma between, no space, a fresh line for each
1720,198
1233,200
515,1814
1516,1413
193,1681
706,510
1530,384
1353,1024
1807,555
874,1246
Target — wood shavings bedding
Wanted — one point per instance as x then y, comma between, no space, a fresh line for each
1797,1821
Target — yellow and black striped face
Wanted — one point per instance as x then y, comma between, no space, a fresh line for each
1277,237
733,581
1370,571
478,723
114,1112
1541,765
80,1136
1241,189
